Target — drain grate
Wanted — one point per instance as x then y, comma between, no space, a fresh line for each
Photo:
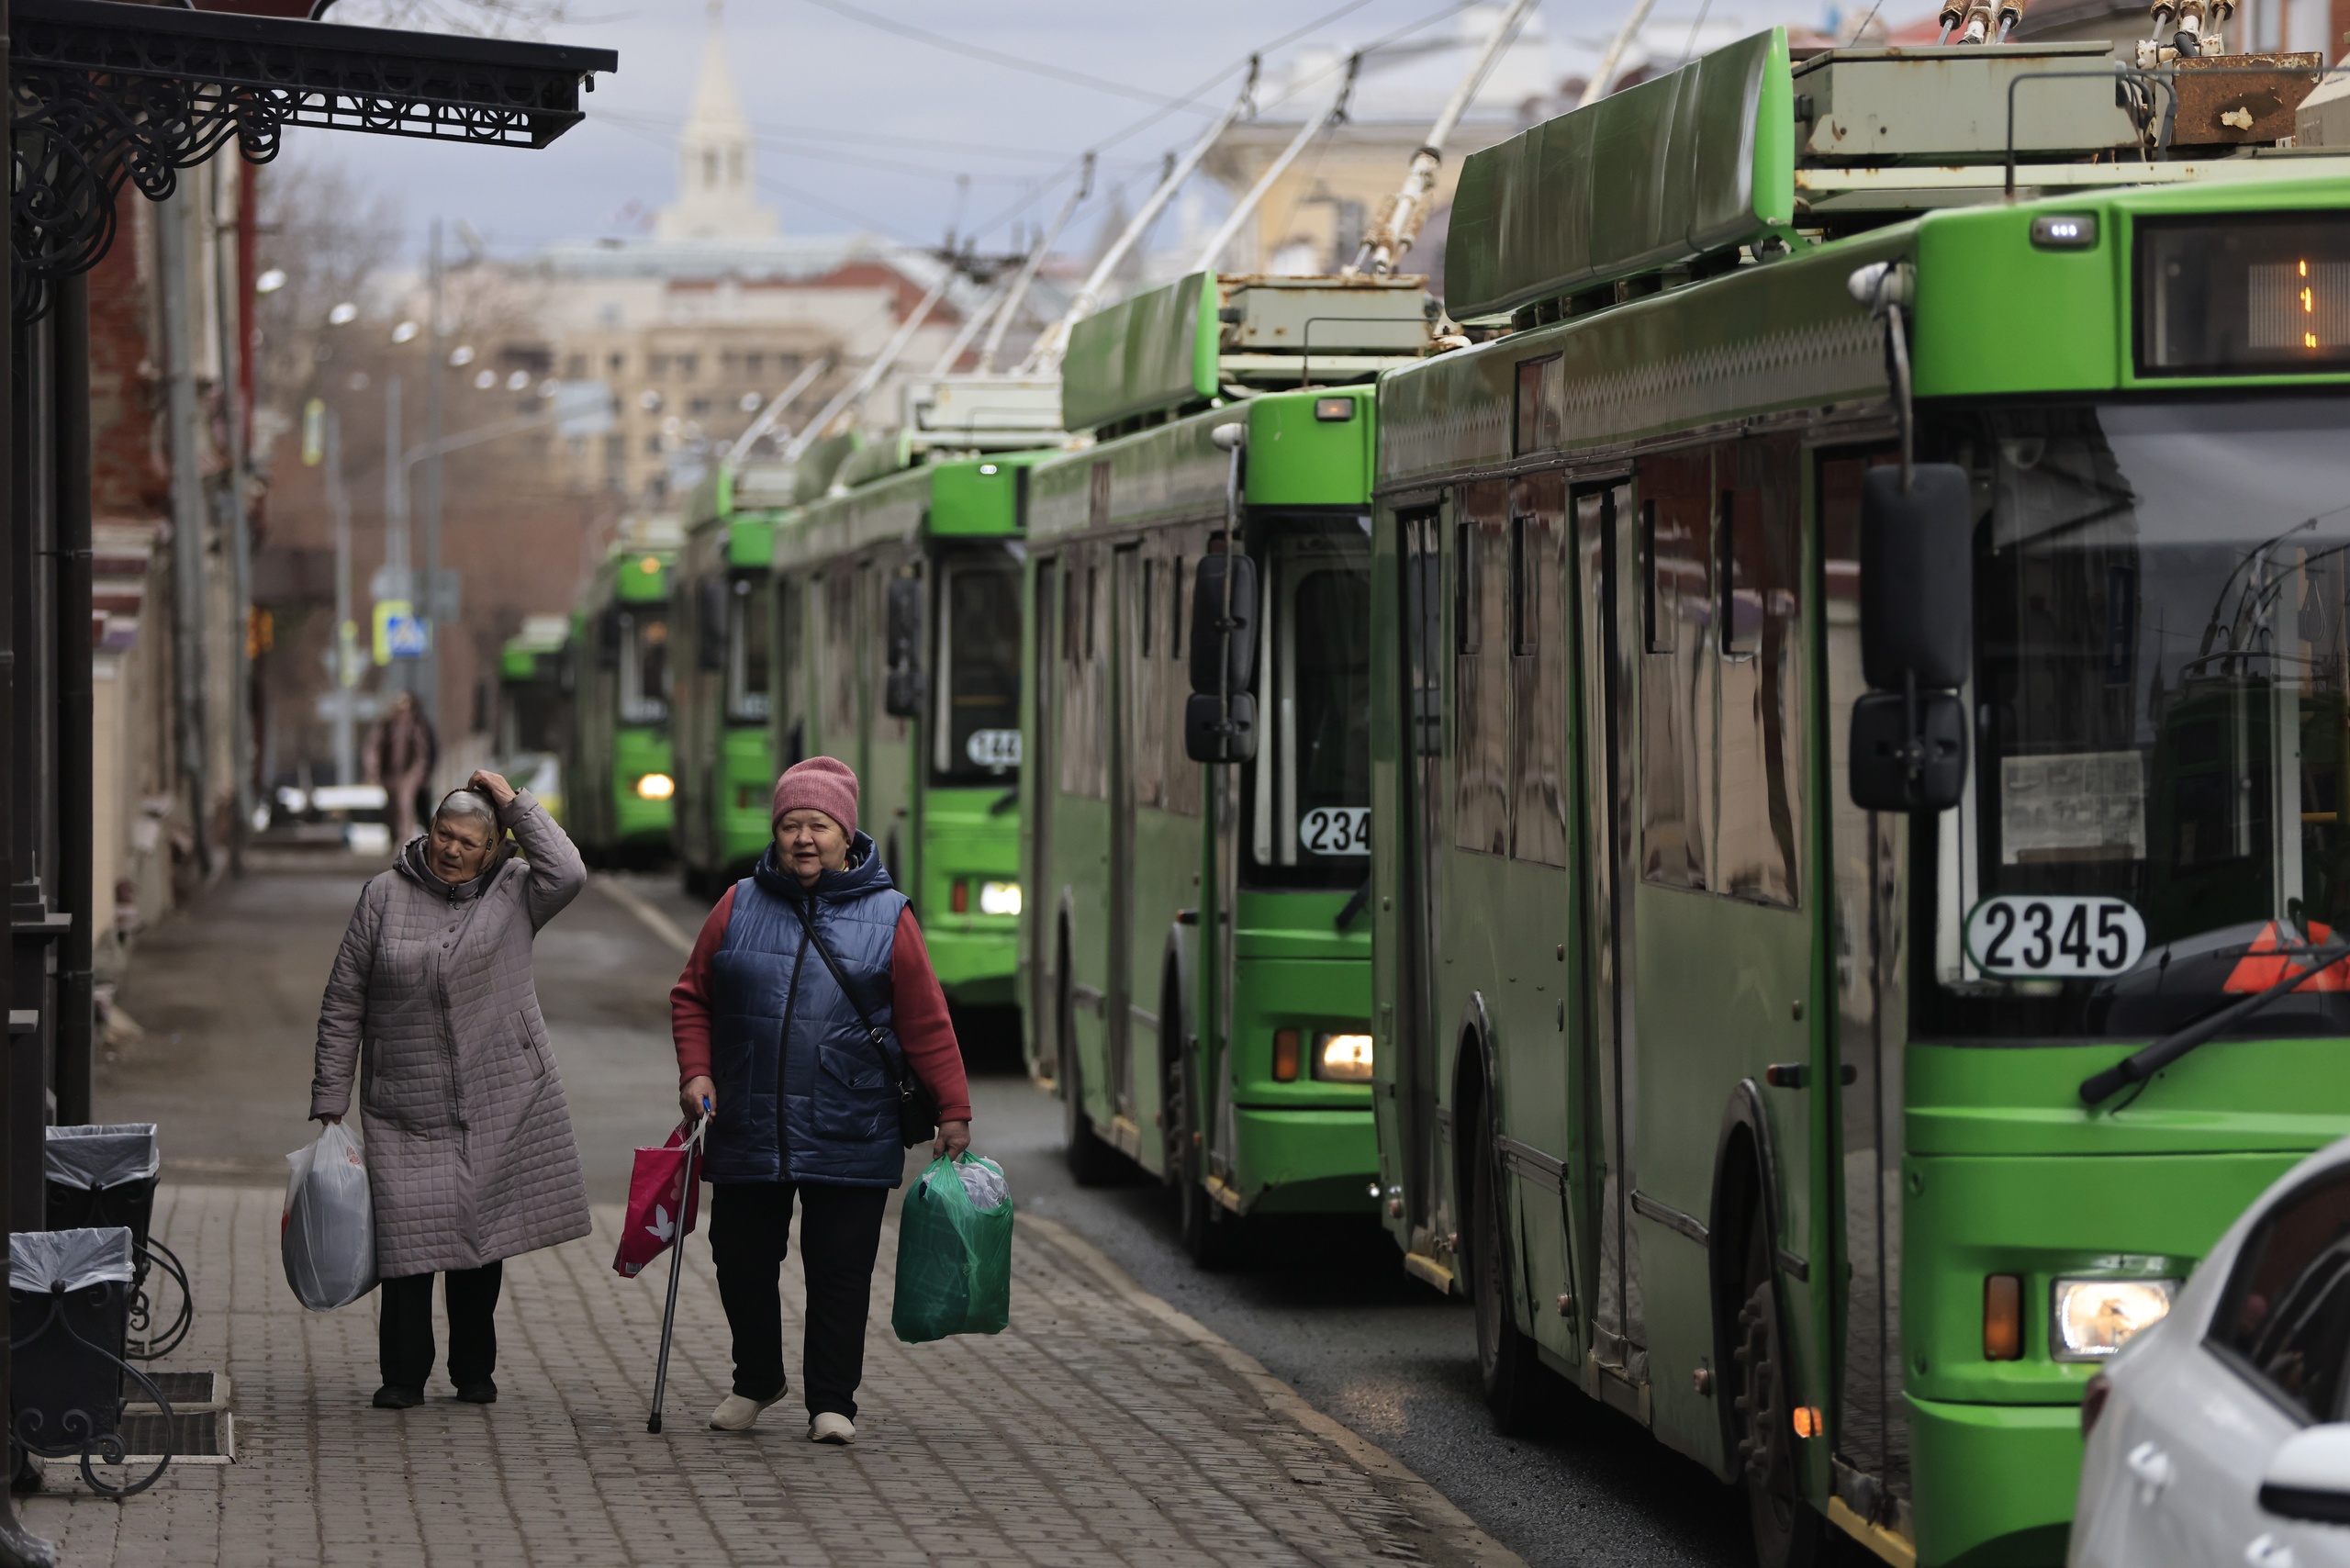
197,1437
185,1391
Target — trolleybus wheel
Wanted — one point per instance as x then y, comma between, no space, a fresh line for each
1787,1531
1092,1162
1506,1362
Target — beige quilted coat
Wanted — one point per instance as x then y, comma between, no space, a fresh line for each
469,1148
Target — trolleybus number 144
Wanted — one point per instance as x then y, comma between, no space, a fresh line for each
1336,830
2051,935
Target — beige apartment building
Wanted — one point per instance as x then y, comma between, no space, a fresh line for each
695,326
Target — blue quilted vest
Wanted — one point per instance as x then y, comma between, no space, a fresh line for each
838,1119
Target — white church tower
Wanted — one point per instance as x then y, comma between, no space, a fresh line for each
715,198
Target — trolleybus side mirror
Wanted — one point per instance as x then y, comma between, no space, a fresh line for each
1220,719
902,692
1908,740
609,633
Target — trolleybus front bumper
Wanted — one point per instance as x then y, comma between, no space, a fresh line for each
1994,1483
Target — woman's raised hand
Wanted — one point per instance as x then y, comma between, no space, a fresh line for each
498,790
700,1095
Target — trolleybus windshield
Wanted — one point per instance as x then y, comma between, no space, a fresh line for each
644,667
1308,793
978,669
746,653
2162,699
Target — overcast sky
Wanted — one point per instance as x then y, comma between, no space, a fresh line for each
864,129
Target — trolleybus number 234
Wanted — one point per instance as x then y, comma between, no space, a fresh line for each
2021,934
1336,830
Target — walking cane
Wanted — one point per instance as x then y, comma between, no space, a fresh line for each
677,1266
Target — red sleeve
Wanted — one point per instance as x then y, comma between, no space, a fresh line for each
689,998
918,1011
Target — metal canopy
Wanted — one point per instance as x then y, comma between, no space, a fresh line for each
101,92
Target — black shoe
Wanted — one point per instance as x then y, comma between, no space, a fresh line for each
392,1396
482,1392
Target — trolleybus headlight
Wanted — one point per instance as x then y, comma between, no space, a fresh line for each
2093,1318
656,787
1342,1059
998,897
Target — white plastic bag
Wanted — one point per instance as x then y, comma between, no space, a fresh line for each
329,1231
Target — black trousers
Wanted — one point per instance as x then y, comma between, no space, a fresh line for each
840,1235
406,1327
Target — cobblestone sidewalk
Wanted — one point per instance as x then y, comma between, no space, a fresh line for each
1103,1427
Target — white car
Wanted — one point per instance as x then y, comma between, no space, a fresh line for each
2220,1434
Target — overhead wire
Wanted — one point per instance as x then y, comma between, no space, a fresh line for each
1449,9
963,48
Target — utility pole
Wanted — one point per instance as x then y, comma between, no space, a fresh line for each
189,524
346,671
427,598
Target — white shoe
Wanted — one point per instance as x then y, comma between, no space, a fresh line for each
826,1427
735,1414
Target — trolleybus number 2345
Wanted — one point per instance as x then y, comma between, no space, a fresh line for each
2050,935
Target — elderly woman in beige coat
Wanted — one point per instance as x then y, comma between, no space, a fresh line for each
469,1147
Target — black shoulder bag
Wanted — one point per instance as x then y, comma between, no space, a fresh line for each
917,1106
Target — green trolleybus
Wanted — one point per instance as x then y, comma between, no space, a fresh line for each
533,708
618,778
898,650
1197,963
723,741
1862,687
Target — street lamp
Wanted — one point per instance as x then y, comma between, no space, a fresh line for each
271,281
343,315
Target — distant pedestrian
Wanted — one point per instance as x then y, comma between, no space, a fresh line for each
400,754
803,1105
469,1147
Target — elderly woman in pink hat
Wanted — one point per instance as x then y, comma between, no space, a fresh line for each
808,999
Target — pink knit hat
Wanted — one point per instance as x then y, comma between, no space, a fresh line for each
824,784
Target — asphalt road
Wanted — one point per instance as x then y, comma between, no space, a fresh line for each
227,998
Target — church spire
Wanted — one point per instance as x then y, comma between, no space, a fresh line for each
715,170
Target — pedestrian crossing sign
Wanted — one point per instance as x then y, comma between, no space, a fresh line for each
400,633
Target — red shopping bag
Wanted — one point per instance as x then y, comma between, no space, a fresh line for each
660,1210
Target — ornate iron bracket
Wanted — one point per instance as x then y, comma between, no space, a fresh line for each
101,92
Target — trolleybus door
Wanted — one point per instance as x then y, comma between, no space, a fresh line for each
1126,571
1865,938
1040,781
1601,521
1423,729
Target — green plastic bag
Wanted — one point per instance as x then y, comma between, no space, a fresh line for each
954,1252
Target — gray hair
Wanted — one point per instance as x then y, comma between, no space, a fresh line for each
470,803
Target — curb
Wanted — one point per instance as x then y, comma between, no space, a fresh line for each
1434,1507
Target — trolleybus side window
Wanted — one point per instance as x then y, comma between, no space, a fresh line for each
837,717
1760,679
1145,683
1480,672
1538,669
790,669
1185,779
746,653
1085,764
977,679
1676,682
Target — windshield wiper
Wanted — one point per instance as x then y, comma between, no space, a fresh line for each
1354,906
2142,1064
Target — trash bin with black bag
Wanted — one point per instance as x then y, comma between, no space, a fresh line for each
105,1175
68,1304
